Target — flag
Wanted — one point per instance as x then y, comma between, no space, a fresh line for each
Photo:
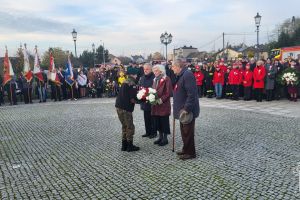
37,69
8,70
52,75
27,71
69,73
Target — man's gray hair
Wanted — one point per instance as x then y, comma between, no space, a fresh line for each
148,64
178,63
160,68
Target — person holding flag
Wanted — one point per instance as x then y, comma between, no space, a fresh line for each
55,82
41,78
9,77
27,78
69,78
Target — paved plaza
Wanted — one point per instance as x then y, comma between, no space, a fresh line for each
71,150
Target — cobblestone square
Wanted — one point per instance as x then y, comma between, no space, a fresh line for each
71,150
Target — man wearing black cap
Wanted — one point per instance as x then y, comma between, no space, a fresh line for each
125,105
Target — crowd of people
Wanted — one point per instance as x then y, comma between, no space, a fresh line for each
247,80
237,79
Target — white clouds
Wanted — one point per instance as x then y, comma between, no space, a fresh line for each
132,26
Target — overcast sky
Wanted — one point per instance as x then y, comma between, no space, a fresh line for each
130,27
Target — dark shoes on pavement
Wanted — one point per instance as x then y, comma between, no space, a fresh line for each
162,139
131,147
146,135
186,157
128,146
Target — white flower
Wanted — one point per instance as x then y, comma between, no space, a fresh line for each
140,94
151,97
153,91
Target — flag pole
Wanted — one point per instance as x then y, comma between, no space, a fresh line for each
72,92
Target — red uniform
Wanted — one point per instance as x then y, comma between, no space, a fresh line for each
234,77
259,74
247,78
241,75
218,77
199,77
223,68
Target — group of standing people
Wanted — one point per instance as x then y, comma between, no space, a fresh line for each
156,116
247,80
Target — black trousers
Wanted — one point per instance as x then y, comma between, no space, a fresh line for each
247,93
235,91
55,92
1,97
269,95
199,88
64,91
148,119
258,94
27,92
11,91
161,124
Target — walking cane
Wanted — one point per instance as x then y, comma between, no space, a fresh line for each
173,142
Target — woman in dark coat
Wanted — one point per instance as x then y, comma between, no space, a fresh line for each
270,79
162,110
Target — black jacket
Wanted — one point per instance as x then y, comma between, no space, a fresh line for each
127,95
146,81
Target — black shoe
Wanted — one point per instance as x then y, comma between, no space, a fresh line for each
124,145
159,139
164,140
131,147
146,135
153,135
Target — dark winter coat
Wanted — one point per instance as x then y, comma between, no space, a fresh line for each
146,81
185,95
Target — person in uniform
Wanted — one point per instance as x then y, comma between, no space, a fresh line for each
234,81
247,82
259,74
199,80
218,81
125,103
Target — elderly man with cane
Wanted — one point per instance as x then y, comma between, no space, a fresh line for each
185,108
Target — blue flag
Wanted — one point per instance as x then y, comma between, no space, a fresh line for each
69,73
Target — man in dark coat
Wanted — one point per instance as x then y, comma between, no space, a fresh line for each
186,101
146,81
125,105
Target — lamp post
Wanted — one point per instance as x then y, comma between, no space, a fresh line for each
257,19
93,46
166,39
74,35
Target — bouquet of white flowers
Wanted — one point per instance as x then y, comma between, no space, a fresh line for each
289,77
148,95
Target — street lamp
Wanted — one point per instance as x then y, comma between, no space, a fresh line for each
257,19
93,46
74,35
166,39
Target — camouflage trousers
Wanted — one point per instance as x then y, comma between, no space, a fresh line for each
126,120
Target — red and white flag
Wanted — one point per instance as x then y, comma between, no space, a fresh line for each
8,70
27,71
52,75
37,68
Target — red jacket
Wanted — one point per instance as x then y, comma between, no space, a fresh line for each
241,74
223,68
259,74
247,78
164,91
218,77
199,77
234,77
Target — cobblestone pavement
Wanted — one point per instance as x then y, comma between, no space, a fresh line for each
71,150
